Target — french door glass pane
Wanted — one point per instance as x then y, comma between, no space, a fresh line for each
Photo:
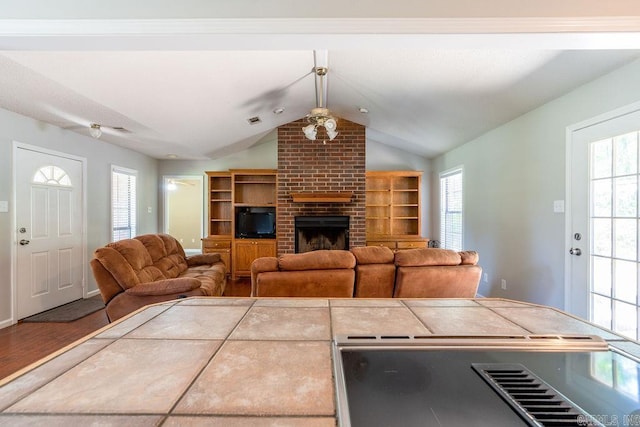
614,233
626,147
601,236
625,318
602,276
601,155
626,238
601,197
625,282
601,311
626,202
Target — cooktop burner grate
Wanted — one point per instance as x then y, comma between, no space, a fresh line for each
533,399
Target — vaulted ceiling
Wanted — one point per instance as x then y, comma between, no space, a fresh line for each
193,98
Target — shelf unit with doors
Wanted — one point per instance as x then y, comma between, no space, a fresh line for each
254,190
231,192
393,209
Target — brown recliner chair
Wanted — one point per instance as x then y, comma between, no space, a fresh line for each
153,268
375,272
436,273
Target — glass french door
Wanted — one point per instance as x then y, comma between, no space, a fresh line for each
604,221
613,219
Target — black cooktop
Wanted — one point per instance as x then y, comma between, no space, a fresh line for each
495,386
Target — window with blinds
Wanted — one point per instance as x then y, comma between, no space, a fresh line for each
451,209
123,203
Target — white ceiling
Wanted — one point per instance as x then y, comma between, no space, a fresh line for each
189,87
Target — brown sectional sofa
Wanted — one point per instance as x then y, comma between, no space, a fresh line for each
375,272
436,273
368,272
152,268
323,273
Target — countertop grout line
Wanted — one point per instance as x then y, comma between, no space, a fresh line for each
53,378
507,319
208,362
418,318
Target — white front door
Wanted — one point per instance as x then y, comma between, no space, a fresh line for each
604,260
49,231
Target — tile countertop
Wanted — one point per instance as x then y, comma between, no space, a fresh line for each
241,361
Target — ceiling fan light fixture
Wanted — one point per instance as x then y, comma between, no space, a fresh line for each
320,115
330,124
310,131
95,131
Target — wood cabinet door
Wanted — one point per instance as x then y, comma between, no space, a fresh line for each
245,251
243,255
265,248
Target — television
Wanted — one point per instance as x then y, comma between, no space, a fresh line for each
256,223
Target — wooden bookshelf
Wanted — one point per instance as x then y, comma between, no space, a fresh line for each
393,209
228,190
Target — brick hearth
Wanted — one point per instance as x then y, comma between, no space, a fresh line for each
306,166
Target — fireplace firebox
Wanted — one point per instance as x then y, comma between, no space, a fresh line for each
313,233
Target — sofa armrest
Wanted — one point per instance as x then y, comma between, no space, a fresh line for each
261,265
469,257
200,259
164,287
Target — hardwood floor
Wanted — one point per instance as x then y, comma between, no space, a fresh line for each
238,288
25,343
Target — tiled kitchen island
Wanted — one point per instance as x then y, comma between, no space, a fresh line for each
242,361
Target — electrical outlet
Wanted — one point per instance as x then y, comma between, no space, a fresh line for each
485,277
503,284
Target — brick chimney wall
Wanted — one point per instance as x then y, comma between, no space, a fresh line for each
314,167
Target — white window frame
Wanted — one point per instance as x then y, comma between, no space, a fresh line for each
459,170
133,216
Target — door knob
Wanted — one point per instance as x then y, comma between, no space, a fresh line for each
575,251
24,242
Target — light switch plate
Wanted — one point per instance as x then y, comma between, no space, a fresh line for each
558,206
4,206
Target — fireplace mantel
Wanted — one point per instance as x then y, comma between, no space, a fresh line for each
318,197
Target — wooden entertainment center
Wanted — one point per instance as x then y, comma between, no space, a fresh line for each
230,191
393,213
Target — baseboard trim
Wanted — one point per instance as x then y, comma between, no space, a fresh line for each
6,323
93,293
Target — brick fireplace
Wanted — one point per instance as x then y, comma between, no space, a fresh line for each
311,167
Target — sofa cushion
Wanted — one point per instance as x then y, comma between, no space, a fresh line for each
165,287
427,257
437,281
327,283
373,254
212,278
175,253
469,257
317,260
129,262
375,280
201,259
166,253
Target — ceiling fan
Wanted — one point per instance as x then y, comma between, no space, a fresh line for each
320,116
69,121
95,129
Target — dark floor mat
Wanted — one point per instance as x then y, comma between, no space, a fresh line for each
69,312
